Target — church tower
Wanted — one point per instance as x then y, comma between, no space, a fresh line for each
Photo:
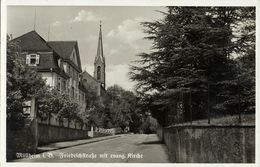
99,64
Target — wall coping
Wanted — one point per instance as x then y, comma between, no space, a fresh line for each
212,126
61,126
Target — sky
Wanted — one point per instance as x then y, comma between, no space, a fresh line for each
123,36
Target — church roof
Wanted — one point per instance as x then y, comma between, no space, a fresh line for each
100,55
32,41
65,48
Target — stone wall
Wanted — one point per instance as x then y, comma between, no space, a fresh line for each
51,133
210,143
22,140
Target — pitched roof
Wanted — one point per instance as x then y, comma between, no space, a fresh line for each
48,61
32,41
65,48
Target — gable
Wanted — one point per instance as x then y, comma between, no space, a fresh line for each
73,57
68,50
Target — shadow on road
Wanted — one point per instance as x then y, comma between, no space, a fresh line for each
153,142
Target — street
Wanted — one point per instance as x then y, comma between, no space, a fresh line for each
129,148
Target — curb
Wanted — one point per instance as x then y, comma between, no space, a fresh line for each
87,142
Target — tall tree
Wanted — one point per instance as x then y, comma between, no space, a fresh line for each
191,61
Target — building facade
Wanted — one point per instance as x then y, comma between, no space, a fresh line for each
58,62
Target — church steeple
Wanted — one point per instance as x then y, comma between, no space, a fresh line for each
99,64
100,46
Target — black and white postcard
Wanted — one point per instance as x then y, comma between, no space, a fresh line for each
129,83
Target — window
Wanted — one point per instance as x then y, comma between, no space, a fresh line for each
32,59
98,73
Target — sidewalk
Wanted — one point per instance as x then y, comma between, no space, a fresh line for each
153,151
152,139
66,144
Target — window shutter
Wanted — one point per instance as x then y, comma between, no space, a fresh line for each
27,59
37,59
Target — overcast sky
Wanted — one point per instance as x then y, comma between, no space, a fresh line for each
122,33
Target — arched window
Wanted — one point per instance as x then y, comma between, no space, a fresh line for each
98,73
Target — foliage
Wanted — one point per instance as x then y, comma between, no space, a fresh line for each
60,103
149,125
191,65
94,109
117,108
122,105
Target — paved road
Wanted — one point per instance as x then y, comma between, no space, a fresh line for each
132,148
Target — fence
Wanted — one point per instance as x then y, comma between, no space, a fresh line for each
64,122
190,106
97,132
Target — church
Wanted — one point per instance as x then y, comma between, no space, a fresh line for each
97,82
59,63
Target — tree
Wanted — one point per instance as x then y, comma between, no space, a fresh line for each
61,104
23,83
149,125
116,109
241,22
191,62
94,109
121,104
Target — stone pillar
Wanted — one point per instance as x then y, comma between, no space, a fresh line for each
34,124
91,132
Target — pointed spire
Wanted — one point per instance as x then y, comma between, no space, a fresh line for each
100,46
